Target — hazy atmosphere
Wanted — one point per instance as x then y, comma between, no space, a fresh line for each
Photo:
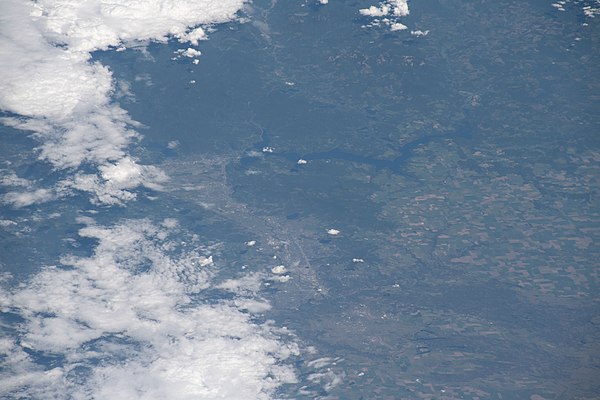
300,199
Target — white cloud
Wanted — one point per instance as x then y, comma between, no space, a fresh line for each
128,316
590,8
388,13
325,375
125,322
65,99
24,199
4,223
278,270
400,7
90,25
248,284
592,11
397,26
375,11
189,52
114,182
27,380
419,33
9,178
194,36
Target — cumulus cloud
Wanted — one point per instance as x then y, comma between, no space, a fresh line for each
116,191
194,36
47,77
26,194
91,25
9,178
388,13
27,198
590,8
400,7
113,184
397,26
127,324
127,321
375,11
